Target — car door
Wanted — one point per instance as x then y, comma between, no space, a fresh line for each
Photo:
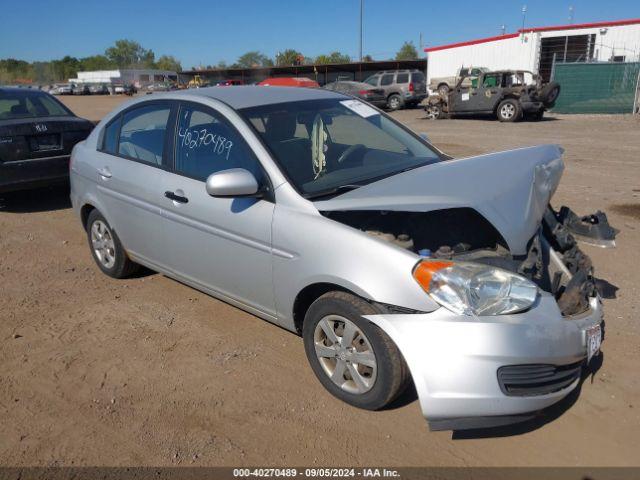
460,98
131,164
222,245
486,95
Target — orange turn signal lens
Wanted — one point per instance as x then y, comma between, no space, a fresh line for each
424,271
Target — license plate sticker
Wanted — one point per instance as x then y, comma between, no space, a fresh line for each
594,340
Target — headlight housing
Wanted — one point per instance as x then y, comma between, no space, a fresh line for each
475,289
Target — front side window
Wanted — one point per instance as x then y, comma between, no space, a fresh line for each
205,144
324,146
142,134
386,79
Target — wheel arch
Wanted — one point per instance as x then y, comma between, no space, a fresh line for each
85,211
310,294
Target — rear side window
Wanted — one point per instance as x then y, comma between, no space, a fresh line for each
110,139
206,143
386,79
403,78
142,133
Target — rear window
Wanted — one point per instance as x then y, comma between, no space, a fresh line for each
29,104
403,78
417,77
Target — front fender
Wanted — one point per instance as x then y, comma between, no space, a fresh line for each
310,248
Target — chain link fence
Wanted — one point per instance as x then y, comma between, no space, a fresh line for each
597,87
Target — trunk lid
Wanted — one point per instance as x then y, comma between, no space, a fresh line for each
33,138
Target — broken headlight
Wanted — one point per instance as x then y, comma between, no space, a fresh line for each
473,289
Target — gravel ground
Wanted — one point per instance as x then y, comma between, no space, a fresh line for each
147,371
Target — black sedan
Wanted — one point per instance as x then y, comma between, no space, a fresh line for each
364,91
37,134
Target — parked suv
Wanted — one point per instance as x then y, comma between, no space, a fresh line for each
402,88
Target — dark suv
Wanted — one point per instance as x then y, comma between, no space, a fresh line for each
402,88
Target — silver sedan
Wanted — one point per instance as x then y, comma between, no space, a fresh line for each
321,214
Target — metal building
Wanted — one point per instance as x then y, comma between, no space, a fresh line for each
137,77
538,48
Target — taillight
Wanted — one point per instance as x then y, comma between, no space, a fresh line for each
364,93
411,87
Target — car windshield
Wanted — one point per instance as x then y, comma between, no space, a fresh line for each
29,104
328,146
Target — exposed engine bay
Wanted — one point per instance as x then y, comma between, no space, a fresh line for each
553,260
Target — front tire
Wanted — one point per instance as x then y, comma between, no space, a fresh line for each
106,248
353,359
509,110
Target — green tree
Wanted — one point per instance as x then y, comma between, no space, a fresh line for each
96,62
367,58
168,62
65,68
127,53
407,52
289,57
254,59
333,57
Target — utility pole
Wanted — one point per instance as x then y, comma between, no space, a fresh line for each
524,14
571,14
361,10
421,44
503,29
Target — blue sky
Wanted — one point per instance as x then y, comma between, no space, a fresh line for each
205,32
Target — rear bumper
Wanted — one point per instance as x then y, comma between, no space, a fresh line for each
454,360
32,173
412,97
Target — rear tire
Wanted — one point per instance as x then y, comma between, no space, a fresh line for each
353,359
509,110
394,102
106,248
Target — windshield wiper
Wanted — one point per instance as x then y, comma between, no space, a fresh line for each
333,191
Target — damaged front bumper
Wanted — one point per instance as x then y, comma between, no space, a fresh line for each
455,360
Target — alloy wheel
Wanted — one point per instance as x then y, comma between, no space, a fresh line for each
103,244
345,354
508,110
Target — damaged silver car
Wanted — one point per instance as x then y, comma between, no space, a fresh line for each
396,263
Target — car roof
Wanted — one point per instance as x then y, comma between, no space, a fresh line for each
22,90
244,96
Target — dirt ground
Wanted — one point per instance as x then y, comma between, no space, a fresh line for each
147,371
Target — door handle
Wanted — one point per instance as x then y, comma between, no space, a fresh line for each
176,198
105,172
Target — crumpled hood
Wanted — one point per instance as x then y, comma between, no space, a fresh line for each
510,189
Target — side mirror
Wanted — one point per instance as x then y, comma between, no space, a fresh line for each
425,137
235,182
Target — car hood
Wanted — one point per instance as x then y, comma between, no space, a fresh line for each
511,189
